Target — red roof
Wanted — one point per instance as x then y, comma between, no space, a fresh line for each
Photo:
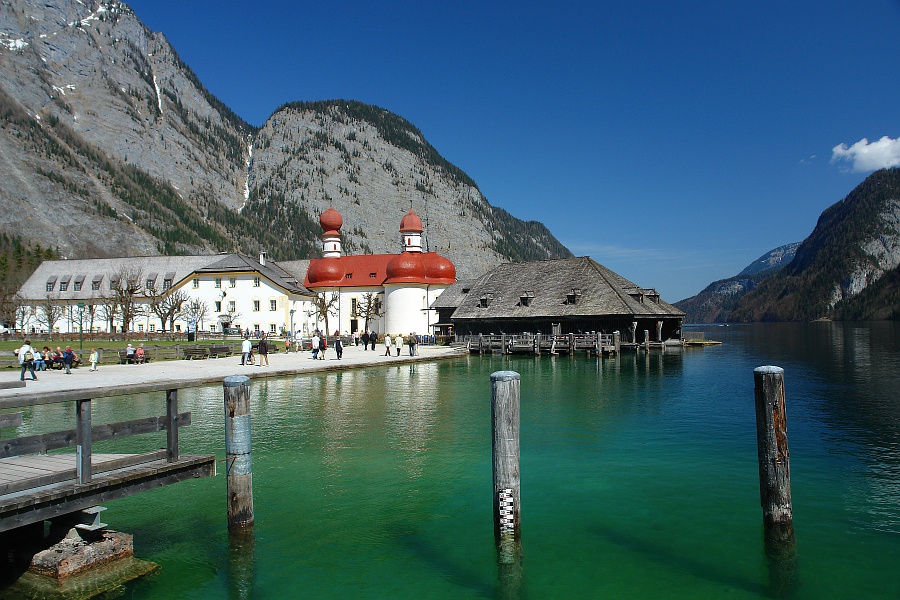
371,270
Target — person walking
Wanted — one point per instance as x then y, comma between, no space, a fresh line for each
398,343
26,359
323,346
411,342
68,357
365,340
263,350
246,349
373,337
94,359
338,347
387,344
315,345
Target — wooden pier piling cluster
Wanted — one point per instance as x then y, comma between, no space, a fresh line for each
594,344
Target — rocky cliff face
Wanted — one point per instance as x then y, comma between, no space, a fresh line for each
110,145
715,302
855,245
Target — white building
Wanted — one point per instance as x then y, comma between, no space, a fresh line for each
242,292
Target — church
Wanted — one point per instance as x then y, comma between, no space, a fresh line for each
385,293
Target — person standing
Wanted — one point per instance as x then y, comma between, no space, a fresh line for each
246,349
26,359
365,340
263,350
94,358
323,346
315,345
387,344
68,357
398,343
373,337
411,342
338,347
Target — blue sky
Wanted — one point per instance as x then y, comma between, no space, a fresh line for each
673,142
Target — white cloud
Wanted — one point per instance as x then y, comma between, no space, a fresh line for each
867,156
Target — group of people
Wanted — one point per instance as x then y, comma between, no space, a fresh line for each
320,345
32,360
247,351
397,343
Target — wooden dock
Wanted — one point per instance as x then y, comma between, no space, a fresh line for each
595,344
41,477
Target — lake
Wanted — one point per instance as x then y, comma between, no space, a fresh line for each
639,476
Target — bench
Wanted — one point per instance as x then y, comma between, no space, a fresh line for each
192,353
220,351
125,359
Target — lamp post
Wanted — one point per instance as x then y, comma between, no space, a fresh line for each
291,334
80,326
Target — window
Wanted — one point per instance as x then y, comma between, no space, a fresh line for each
272,328
273,304
218,283
526,298
373,275
256,282
152,328
231,306
167,283
348,276
95,285
77,286
50,286
212,328
178,328
256,327
151,283
63,286
196,283
218,306
256,306
141,328
485,300
353,307
232,282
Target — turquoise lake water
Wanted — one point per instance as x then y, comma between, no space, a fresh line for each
639,476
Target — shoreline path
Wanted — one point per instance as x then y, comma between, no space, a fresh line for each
192,373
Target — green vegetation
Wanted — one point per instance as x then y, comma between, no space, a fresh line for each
804,289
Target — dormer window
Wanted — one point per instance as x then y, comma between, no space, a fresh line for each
526,298
573,296
485,300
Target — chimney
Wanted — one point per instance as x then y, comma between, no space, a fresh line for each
262,258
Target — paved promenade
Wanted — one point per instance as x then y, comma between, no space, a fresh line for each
189,373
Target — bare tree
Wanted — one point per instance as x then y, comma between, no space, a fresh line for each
369,307
50,312
324,305
109,311
24,313
166,305
127,284
195,310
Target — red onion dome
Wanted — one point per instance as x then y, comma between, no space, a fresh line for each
325,270
411,223
405,267
439,269
331,220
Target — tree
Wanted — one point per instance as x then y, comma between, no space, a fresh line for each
195,310
24,313
323,306
166,306
369,308
109,310
50,312
126,286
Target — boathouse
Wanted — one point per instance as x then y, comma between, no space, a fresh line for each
556,297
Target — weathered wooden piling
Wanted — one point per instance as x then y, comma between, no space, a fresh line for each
772,446
238,452
775,478
505,387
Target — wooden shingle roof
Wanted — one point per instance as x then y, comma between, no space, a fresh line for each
572,287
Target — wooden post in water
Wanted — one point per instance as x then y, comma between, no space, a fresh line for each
775,478
505,387
617,341
238,452
505,452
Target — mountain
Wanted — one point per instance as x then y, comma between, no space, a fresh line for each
845,269
110,146
714,303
